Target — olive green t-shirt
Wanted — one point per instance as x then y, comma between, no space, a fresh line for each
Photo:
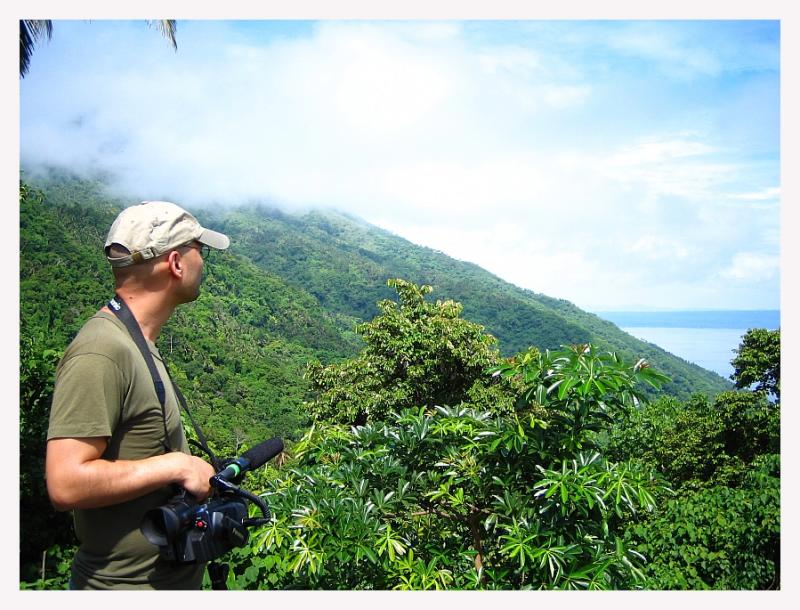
103,388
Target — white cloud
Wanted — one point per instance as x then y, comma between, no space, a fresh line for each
668,48
515,61
659,151
563,96
509,153
691,169
378,81
657,248
694,50
766,194
752,266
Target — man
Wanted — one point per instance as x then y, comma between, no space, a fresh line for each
114,451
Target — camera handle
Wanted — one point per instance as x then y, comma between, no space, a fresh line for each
218,574
225,487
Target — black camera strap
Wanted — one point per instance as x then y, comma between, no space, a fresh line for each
122,311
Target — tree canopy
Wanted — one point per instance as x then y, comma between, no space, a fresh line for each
758,361
416,353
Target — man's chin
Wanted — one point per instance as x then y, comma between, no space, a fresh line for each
188,298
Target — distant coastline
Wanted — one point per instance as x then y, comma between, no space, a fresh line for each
738,319
706,338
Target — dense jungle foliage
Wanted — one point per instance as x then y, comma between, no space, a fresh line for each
345,263
342,265
419,455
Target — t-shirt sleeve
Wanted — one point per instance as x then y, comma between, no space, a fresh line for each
87,399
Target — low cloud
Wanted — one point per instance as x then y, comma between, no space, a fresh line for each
752,266
533,149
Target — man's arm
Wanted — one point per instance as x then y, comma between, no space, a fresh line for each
77,476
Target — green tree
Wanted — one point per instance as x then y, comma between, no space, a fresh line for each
758,361
40,526
722,457
582,389
716,537
417,354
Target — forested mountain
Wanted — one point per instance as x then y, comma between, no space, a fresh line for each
345,262
291,288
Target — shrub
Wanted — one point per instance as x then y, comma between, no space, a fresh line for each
454,497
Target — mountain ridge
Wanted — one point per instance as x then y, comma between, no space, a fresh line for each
517,317
336,265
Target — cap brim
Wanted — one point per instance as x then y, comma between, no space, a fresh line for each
218,241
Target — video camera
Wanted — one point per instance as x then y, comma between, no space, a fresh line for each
187,532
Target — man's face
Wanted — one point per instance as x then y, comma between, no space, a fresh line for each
192,260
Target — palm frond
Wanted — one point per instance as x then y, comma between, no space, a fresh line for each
167,29
31,31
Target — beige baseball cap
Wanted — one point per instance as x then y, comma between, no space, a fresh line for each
152,228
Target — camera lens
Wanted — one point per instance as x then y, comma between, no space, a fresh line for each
161,525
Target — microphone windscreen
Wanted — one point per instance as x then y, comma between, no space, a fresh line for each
263,452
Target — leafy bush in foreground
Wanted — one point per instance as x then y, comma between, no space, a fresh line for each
460,498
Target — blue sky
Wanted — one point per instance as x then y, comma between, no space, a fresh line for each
615,164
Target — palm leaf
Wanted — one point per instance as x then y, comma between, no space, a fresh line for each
167,29
31,31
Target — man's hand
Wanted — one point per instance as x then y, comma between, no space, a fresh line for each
197,473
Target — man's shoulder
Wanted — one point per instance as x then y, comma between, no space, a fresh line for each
101,335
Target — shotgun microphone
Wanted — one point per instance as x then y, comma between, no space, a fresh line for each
253,458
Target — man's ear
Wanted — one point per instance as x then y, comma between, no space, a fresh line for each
175,264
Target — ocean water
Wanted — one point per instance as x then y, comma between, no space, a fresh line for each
706,338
